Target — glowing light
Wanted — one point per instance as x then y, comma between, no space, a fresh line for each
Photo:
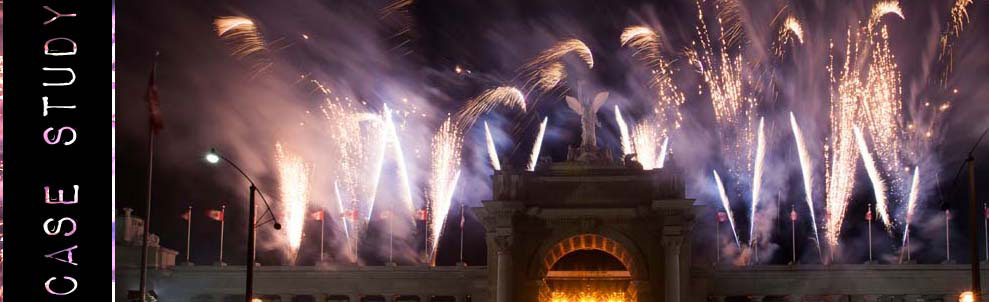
883,8
793,26
662,153
242,32
911,203
967,296
546,70
212,158
445,170
534,156
507,96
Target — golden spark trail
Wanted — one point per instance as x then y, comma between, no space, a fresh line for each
534,157
293,175
669,98
341,210
242,33
806,169
445,169
760,155
883,8
623,128
726,206
792,26
546,70
878,185
492,152
507,96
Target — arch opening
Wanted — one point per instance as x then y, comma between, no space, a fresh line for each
587,268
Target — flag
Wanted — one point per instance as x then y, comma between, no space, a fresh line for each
868,215
350,214
947,214
987,211
793,215
187,214
151,97
722,216
215,215
461,216
422,214
317,215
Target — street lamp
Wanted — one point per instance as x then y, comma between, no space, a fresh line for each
213,157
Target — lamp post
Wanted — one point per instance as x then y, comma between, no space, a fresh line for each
213,157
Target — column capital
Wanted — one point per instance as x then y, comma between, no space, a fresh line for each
503,242
672,242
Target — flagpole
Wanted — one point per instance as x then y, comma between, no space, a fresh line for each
869,218
188,234
717,244
947,236
985,226
223,210
391,241
322,226
147,204
793,234
462,222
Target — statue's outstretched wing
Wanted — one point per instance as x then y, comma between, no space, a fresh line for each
575,105
599,100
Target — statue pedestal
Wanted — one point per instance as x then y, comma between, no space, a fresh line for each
590,155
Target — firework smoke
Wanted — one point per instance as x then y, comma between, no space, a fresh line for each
534,157
492,152
727,206
662,153
293,177
403,171
644,142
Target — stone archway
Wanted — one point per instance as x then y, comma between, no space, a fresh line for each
612,245
587,242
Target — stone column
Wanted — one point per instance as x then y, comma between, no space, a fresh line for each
671,267
504,291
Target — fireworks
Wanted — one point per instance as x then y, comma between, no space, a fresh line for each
760,155
242,32
360,140
662,153
911,202
506,95
546,70
492,152
792,26
878,185
293,177
403,171
445,166
727,206
883,8
806,169
534,157
623,128
644,141
669,98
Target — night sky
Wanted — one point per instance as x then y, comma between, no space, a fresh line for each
210,99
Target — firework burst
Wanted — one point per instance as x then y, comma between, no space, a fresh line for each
507,96
492,152
760,156
534,156
445,166
244,37
726,206
623,129
546,70
806,168
293,176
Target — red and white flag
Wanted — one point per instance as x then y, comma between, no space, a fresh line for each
722,216
350,214
987,211
461,216
868,215
151,96
793,214
317,215
421,214
187,214
215,215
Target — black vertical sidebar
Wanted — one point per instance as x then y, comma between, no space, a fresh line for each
56,247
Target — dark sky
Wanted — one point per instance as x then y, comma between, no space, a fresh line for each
208,98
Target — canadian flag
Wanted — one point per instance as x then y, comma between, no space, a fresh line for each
793,215
868,215
987,213
422,214
215,215
350,214
722,216
317,215
187,214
